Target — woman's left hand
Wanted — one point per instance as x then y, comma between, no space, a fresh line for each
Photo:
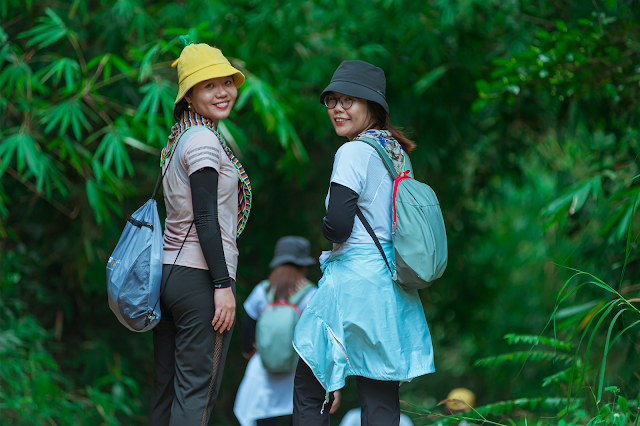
225,305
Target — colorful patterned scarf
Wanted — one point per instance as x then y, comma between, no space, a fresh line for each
390,144
190,119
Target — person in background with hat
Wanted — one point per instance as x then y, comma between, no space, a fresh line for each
460,401
359,323
263,396
204,185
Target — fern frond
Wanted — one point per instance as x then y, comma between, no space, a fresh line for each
521,357
503,407
506,407
535,340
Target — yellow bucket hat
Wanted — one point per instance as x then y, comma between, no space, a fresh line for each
200,62
461,394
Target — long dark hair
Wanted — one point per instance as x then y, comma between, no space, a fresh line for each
284,279
381,120
181,107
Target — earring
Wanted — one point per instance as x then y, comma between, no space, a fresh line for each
189,106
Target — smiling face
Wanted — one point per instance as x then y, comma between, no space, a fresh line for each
213,98
352,121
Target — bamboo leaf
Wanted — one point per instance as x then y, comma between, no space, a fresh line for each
429,79
606,351
233,135
575,310
156,92
574,197
273,115
72,111
146,69
112,149
50,29
8,148
68,67
31,161
625,221
95,197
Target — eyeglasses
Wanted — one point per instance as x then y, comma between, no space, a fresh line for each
345,103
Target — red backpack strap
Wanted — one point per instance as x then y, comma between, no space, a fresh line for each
403,175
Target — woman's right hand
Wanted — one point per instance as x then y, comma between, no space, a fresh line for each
225,305
337,398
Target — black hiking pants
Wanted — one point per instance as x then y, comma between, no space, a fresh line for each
188,354
273,421
380,400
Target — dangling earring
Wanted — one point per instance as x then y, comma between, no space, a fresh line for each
189,106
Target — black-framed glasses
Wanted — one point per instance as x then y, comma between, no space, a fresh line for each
346,102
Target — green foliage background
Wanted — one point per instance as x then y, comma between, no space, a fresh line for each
526,117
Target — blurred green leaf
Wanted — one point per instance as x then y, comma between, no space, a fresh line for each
51,29
157,93
68,67
113,151
429,79
560,24
623,404
72,111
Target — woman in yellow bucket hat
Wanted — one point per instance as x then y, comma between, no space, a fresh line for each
204,185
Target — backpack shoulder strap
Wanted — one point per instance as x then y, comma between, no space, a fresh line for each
173,151
383,154
365,222
299,294
270,294
407,163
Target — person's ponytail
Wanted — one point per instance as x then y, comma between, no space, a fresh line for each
382,121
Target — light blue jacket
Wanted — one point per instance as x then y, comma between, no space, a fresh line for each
359,323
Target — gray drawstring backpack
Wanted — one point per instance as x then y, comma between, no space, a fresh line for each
419,235
134,269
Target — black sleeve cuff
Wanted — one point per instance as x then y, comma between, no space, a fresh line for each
222,283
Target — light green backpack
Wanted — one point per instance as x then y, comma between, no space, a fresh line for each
419,235
274,331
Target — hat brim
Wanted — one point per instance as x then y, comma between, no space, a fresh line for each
281,260
213,71
356,90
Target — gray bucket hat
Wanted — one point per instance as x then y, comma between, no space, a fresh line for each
292,249
361,80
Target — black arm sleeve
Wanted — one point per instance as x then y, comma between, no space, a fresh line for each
338,223
204,197
248,334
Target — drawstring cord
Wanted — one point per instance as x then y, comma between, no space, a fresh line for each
325,401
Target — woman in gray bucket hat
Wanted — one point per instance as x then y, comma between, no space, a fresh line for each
359,323
263,393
